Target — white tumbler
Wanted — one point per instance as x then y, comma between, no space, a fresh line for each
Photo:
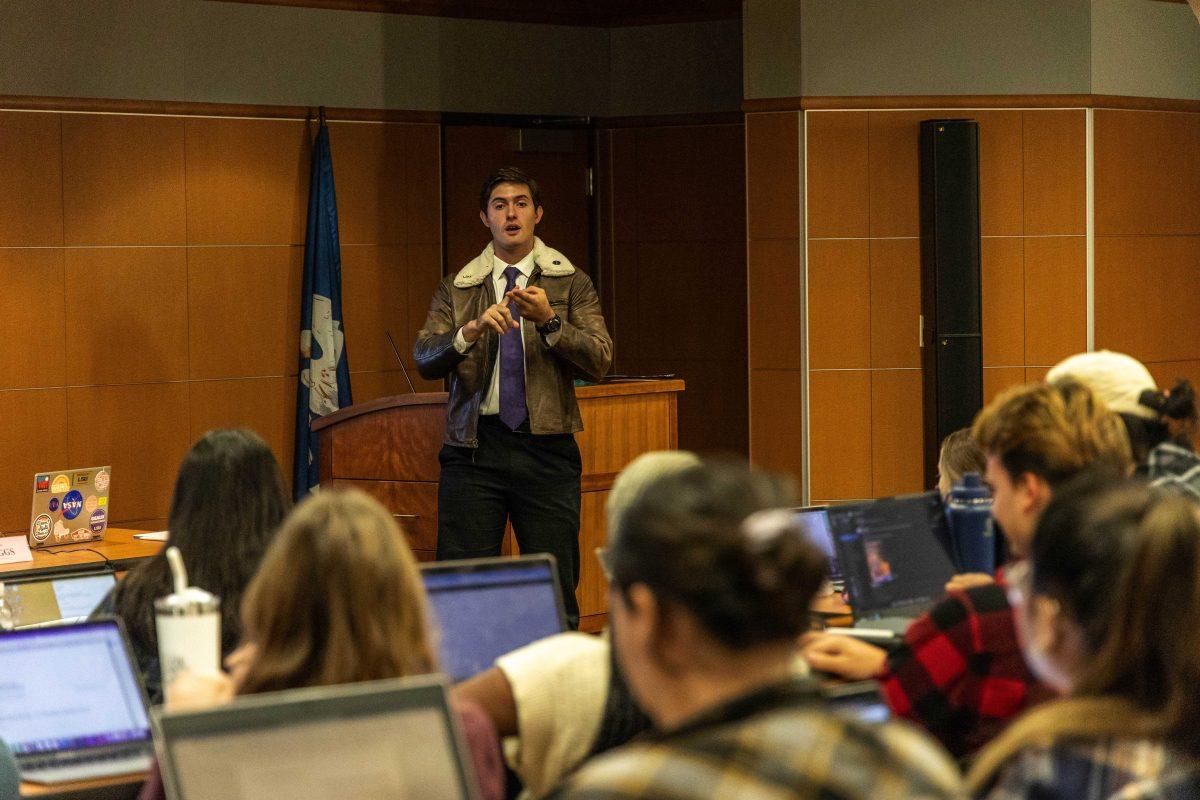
189,627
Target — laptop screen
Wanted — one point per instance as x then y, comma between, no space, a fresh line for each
489,607
861,700
70,598
815,522
317,744
891,551
69,688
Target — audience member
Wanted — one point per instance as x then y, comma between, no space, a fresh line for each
959,671
959,454
1107,603
338,599
711,584
563,699
229,499
1161,425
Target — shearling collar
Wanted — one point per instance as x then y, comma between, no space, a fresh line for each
551,262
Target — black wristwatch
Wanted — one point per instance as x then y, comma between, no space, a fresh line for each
550,326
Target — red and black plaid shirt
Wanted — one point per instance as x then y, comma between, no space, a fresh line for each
960,673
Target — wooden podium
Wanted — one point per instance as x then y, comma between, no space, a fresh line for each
389,447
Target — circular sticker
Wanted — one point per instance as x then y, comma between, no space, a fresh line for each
60,484
98,519
41,528
90,504
53,504
101,481
72,504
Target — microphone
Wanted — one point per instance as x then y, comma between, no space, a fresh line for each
403,368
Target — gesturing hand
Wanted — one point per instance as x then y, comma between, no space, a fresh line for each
495,317
532,303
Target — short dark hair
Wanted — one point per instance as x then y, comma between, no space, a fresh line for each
509,175
689,537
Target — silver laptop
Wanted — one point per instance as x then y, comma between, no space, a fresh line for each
73,705
382,739
38,602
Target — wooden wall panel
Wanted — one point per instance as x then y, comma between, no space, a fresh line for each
895,303
32,439
775,334
773,175
1055,172
838,189
127,315
1147,163
776,421
896,443
840,437
997,379
1055,298
893,138
123,180
247,181
1003,278
33,318
1000,203
31,186
839,307
157,344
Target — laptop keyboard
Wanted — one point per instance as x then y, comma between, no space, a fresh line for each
83,765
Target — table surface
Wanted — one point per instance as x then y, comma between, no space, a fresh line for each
118,546
117,787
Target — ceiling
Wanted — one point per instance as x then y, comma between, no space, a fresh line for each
596,13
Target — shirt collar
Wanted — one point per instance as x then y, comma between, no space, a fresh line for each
525,265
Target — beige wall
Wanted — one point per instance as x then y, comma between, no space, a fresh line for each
202,51
1145,49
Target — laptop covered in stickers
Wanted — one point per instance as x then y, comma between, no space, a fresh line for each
69,506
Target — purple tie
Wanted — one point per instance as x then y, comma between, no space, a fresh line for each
512,363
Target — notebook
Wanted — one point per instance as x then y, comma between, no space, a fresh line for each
382,739
893,553
70,505
52,601
487,607
73,707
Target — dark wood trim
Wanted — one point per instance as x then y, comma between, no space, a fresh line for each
18,102
672,120
379,404
936,101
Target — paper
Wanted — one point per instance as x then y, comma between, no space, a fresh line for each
155,536
14,550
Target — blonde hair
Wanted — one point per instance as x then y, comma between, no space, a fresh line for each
338,599
638,473
1053,430
1124,563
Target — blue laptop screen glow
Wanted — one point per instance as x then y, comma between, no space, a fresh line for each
484,614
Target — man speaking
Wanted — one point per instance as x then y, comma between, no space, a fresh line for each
511,331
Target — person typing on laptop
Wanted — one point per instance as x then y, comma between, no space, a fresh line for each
959,671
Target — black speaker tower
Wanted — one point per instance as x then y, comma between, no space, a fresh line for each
951,306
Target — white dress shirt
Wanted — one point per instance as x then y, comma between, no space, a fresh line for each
491,400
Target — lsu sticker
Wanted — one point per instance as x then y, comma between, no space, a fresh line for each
101,481
72,504
41,528
82,477
98,519
90,503
42,484
60,484
53,504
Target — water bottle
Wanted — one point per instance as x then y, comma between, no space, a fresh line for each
969,512
189,627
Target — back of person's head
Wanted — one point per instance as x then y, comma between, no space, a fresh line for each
1053,430
228,502
640,472
959,454
338,599
1128,388
716,541
1124,563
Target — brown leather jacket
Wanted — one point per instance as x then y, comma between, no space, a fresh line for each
582,347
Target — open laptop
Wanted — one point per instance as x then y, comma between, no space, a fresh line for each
487,607
37,602
862,700
815,521
893,553
69,505
381,739
73,705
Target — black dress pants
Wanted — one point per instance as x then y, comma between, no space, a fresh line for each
513,475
